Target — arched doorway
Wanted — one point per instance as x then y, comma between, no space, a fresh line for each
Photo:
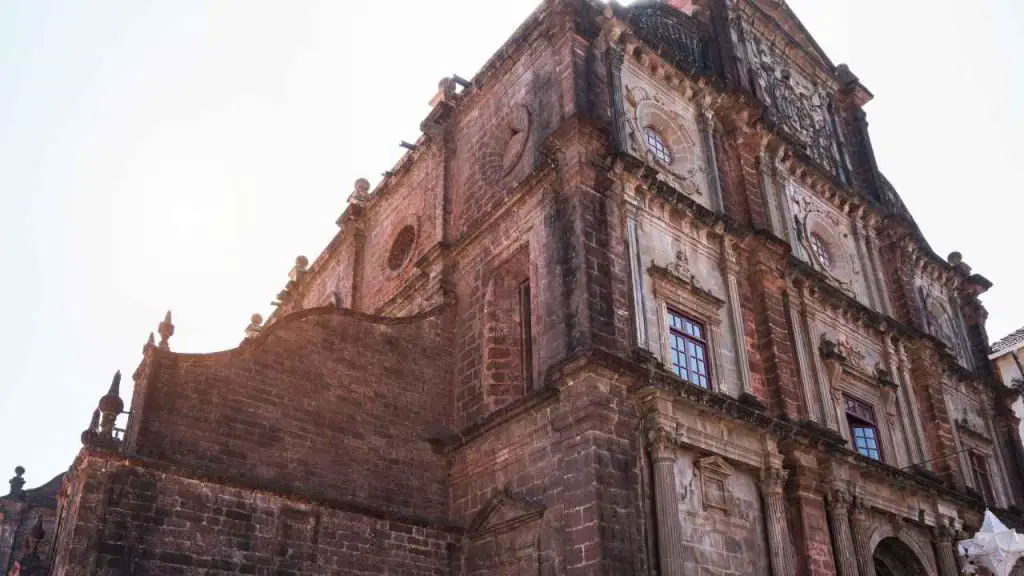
894,558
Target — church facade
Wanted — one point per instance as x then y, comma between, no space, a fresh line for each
638,301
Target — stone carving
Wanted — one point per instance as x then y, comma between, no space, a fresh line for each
714,476
773,480
680,265
796,104
824,237
166,330
255,326
686,169
517,127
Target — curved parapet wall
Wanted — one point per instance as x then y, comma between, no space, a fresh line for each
325,402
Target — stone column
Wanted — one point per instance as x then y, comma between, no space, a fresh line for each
944,553
842,539
861,542
666,499
706,121
773,480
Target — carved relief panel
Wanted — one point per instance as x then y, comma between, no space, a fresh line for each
721,517
798,104
663,130
940,318
825,240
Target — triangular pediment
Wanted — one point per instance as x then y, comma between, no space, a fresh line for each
715,466
779,12
505,510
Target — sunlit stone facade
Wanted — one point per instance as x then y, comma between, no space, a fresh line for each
638,301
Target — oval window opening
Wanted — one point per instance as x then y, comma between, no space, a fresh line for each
401,247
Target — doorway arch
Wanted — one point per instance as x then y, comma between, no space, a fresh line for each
893,557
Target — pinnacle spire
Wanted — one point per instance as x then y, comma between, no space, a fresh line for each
166,330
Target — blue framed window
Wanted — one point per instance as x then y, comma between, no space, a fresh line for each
863,428
688,346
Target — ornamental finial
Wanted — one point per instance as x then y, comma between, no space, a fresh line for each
18,483
166,330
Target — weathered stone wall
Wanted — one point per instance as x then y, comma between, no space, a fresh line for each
722,521
133,519
310,406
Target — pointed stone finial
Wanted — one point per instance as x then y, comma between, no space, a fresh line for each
166,330
254,327
90,434
18,483
110,408
150,343
111,403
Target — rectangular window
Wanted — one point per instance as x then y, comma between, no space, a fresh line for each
688,344
982,480
863,428
525,315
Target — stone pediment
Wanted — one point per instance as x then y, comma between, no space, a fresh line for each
507,510
715,466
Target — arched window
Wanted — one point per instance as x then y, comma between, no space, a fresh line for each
656,144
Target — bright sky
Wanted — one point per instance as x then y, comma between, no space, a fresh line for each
179,154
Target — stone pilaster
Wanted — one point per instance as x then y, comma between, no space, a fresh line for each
707,137
861,535
871,237
780,549
636,275
842,539
768,193
730,264
666,499
801,345
860,243
944,553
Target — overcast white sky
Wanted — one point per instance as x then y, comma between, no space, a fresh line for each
179,154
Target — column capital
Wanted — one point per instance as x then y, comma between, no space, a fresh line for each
773,480
944,533
661,444
839,500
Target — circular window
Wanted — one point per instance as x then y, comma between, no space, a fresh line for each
656,144
401,247
821,251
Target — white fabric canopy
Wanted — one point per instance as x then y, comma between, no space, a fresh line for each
995,547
